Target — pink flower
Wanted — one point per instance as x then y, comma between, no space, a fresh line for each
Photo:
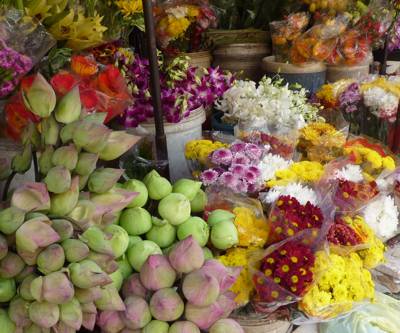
240,158
250,177
221,157
238,170
254,169
242,186
228,179
209,177
253,151
238,147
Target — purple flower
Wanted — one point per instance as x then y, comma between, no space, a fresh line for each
221,157
253,151
394,37
242,186
209,177
240,158
237,147
253,188
228,179
254,169
350,98
250,177
238,170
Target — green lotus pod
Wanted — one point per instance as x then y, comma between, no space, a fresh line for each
117,144
24,289
119,239
18,312
87,295
86,163
67,132
207,253
224,235
44,314
156,326
199,202
97,241
110,299
220,215
196,227
45,160
58,180
87,274
117,279
22,162
106,262
11,265
40,98
175,208
158,187
189,188
91,136
31,197
54,288
7,290
163,235
75,250
124,267
71,314
136,221
103,180
64,229
10,220
6,324
66,156
51,259
50,131
138,187
3,247
138,253
62,204
69,108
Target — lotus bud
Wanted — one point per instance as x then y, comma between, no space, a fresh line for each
157,273
83,213
28,270
45,160
87,295
163,235
106,262
200,288
25,288
67,132
55,288
22,162
18,312
6,324
119,239
110,299
110,322
44,314
103,180
3,247
63,228
220,215
156,326
75,250
158,187
133,240
226,325
87,274
31,197
58,180
7,290
208,255
138,254
140,188
136,221
186,256
63,328
137,314
166,305
34,329
30,136
198,204
50,131
196,227
35,234
71,314
184,327
66,156
226,276
204,317
175,208
224,235
89,312
69,108
86,164
127,330
227,302
134,287
97,241
63,204
91,136
117,279
51,259
11,265
117,144
83,181
5,168
189,188
114,201
10,220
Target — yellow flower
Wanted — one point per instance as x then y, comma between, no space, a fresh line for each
305,171
177,26
199,150
130,7
193,11
326,94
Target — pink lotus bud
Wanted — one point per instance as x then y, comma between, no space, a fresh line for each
25,288
50,131
86,164
87,274
97,241
110,299
69,107
66,156
137,314
117,144
134,287
28,270
67,132
58,180
64,229
87,295
11,219
31,197
44,314
200,288
186,256
63,328
110,321
227,302
83,213
157,273
184,327
166,305
71,314
3,247
75,250
51,259
204,317
54,288
115,200
91,136
11,265
45,160
127,330
226,276
18,312
103,180
226,325
29,258
105,262
89,321
63,204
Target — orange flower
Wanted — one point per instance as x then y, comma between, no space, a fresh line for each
84,66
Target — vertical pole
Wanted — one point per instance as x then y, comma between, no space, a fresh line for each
385,56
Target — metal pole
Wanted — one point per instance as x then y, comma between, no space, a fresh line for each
161,140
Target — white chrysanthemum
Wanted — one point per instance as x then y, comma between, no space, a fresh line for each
381,103
271,164
382,216
351,172
302,193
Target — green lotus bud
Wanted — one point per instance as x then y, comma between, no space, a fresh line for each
35,329
189,188
87,274
5,168
45,160
117,279
91,136
224,235
183,327
199,202
226,325
110,299
124,267
163,235
25,288
3,247
18,312
63,228
83,181
69,108
7,290
117,144
67,132
86,164
54,288
75,250
29,257
87,295
97,241
103,180
40,98
71,314
66,156
134,240
138,187
50,131
207,253
106,262
22,162
175,208
44,314
11,219
97,117
31,197
62,204
220,215
30,136
138,254
36,215
11,265
28,270
58,180
136,221
61,327
51,259
156,326
158,187
6,324
119,239
196,227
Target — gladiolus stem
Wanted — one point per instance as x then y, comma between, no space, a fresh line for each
7,185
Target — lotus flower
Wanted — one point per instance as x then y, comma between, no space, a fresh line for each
75,250
157,273
226,276
227,302
87,295
183,327
45,160
54,288
18,312
196,227
199,202
224,235
186,256
91,136
63,204
175,208
117,144
106,262
58,180
84,213
189,188
166,305
11,265
163,235
44,314
86,164
69,108
114,201
140,188
134,287
28,270
71,314
110,321
110,299
125,267
137,314
103,180
136,221
204,317
50,131
31,197
97,241
22,162
158,187
51,259
63,228
89,315
138,253
226,325
67,132
119,239
200,288
25,287
66,156
10,220
6,324
87,274
220,215
156,326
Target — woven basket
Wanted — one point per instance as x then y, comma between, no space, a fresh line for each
219,37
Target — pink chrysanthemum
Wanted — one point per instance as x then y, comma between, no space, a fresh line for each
209,177
221,157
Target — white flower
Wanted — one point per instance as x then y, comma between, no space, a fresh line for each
351,172
271,164
178,11
302,193
382,216
381,103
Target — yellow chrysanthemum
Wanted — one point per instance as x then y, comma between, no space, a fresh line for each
177,27
129,7
199,150
326,94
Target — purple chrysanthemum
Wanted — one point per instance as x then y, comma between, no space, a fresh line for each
228,179
242,186
350,98
238,147
209,177
253,151
240,158
238,170
250,177
254,169
221,157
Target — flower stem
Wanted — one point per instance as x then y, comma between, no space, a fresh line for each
7,186
20,4
35,166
